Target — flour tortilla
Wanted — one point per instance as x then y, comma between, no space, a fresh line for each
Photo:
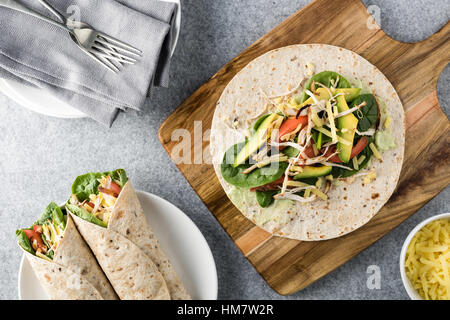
74,274
129,220
130,254
350,205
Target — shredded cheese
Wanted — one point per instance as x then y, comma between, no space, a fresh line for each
361,159
427,260
315,118
339,139
375,151
372,175
296,168
265,162
319,193
310,69
307,193
331,121
387,122
355,163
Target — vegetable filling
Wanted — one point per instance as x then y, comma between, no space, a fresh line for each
95,194
43,238
324,134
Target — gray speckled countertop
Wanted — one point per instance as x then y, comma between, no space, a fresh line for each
39,156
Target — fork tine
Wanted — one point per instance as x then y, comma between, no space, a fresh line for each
115,47
106,63
120,43
112,68
113,52
107,55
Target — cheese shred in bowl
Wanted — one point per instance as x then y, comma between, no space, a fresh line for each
427,260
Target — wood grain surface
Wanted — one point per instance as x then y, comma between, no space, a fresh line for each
413,69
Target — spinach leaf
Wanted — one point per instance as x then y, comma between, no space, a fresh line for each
85,185
343,173
256,178
83,214
265,198
23,241
325,79
369,112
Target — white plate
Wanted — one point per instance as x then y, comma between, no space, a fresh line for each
180,239
44,103
413,294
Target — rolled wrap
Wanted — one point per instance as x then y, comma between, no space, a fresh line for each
129,220
130,254
74,274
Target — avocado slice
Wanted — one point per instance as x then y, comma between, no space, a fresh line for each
350,94
313,172
255,141
349,122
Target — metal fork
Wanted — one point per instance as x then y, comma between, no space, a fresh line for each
110,52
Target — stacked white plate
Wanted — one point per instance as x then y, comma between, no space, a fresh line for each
44,103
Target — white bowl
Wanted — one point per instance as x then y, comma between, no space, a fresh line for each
413,294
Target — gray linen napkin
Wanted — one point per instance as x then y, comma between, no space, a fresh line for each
40,54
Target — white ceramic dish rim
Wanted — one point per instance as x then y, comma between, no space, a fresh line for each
412,293
215,285
51,106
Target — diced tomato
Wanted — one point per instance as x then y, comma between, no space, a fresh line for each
37,228
359,146
269,186
33,236
29,233
115,187
90,204
291,124
357,149
108,191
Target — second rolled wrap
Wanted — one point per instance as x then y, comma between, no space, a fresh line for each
128,251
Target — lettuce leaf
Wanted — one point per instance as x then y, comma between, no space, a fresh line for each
83,214
88,183
23,241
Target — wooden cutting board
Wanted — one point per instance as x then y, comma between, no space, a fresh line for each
413,69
